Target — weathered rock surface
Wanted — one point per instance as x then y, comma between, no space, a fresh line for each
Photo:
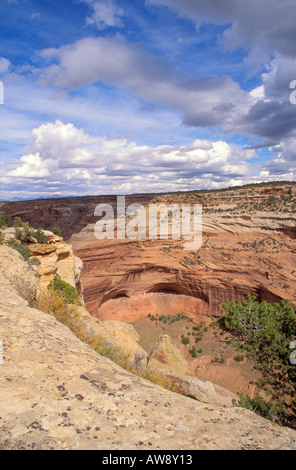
119,334
126,279
192,387
18,280
55,257
57,393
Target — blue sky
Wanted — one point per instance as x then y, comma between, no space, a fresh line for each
127,96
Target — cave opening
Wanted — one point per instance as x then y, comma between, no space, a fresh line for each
120,296
164,290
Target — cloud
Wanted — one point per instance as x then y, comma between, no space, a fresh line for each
4,65
105,14
102,59
267,25
276,81
33,167
263,28
65,157
149,82
56,147
205,101
272,116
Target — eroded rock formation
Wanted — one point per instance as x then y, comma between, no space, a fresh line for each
57,393
55,257
126,279
248,246
249,238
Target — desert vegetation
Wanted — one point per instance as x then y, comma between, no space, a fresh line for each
68,292
190,331
263,332
24,234
254,336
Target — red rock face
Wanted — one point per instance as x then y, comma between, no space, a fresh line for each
249,246
69,214
127,279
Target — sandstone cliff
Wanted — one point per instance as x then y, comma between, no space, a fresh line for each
57,393
248,246
55,257
127,279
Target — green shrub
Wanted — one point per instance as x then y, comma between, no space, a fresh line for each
57,231
239,358
34,261
3,222
23,234
264,328
193,352
58,285
265,332
269,410
185,339
22,249
17,222
40,236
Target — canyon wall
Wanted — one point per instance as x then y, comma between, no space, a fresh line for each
69,214
56,393
248,246
127,279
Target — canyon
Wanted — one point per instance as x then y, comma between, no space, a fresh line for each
57,393
248,246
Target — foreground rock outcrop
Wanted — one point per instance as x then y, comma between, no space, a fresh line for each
55,257
57,393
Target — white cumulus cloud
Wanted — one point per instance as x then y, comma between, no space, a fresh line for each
65,156
105,14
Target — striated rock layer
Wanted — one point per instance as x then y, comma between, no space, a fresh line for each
69,214
127,279
249,245
57,393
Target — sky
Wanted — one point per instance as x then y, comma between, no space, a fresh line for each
133,96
